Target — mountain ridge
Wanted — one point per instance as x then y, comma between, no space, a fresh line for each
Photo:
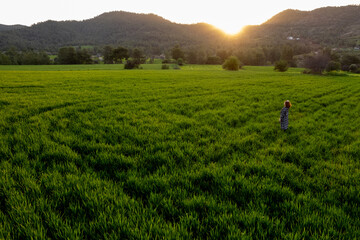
113,28
4,27
327,26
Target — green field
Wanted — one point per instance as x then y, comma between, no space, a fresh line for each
97,152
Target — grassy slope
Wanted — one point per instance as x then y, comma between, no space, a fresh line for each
184,153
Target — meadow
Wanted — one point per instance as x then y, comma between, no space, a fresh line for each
98,152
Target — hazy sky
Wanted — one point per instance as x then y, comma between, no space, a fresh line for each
228,15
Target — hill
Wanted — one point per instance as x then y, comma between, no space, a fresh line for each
329,26
10,27
148,31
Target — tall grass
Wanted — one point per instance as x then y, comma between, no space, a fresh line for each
104,153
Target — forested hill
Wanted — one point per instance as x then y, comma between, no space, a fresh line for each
115,28
333,26
329,26
10,27
345,16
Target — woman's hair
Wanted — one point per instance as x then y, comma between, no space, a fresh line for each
287,104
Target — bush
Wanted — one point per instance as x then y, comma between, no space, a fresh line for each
336,73
131,64
353,68
165,66
333,66
167,61
180,62
281,66
307,71
4,60
316,64
232,64
348,60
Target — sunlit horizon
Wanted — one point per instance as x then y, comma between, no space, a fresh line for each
230,16
230,30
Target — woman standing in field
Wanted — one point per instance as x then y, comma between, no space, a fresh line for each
284,115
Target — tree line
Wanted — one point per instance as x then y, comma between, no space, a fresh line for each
119,54
13,57
282,56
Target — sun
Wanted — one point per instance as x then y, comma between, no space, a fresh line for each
230,29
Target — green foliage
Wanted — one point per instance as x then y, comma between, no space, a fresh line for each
214,60
68,55
348,59
177,53
180,62
13,57
281,66
336,73
83,57
118,54
166,61
138,56
108,53
176,67
96,152
317,64
333,66
132,64
232,64
353,68
4,59
223,55
287,53
253,56
165,66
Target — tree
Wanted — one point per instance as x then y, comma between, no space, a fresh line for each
201,57
281,66
316,64
138,56
180,62
347,60
191,57
108,53
255,57
13,56
165,66
119,54
232,63
274,54
333,66
353,68
214,60
34,58
223,55
67,55
83,57
4,60
177,52
259,58
131,64
287,54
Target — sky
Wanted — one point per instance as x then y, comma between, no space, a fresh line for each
228,15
